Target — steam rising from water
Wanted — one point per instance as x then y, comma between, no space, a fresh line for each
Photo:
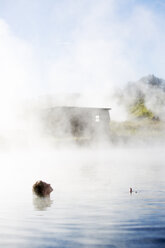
92,60
91,195
102,172
83,174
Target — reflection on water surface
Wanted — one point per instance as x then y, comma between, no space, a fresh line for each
90,206
42,203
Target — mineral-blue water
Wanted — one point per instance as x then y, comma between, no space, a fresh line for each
90,206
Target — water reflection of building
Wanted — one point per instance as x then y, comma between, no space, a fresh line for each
42,203
77,122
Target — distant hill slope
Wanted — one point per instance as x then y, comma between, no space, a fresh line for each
145,98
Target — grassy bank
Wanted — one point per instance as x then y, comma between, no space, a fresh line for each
137,129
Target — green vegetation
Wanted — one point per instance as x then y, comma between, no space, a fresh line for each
137,129
139,110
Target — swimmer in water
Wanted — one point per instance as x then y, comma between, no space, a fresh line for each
42,189
131,191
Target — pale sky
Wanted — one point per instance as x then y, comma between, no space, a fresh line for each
52,46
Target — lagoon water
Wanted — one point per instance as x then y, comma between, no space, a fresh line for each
91,206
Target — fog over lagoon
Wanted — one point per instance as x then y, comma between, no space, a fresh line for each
91,205
64,47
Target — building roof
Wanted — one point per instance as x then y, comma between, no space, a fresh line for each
77,107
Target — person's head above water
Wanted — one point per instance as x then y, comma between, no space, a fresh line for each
41,188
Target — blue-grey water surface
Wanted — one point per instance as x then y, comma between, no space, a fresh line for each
90,206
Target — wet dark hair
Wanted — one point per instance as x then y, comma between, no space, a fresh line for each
38,188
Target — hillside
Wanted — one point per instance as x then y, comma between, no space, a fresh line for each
144,98
144,103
